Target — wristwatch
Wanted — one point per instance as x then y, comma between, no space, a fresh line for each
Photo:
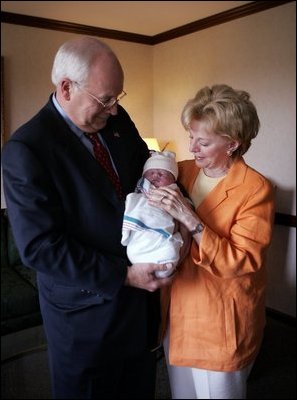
198,229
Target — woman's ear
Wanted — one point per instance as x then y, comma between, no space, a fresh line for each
232,146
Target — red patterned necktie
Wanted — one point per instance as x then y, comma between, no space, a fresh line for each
102,156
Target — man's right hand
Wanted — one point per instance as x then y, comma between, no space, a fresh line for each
142,276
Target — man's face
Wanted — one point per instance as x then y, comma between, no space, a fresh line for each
92,103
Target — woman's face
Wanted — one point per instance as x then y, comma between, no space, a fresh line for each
209,149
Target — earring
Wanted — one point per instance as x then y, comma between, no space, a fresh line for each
229,153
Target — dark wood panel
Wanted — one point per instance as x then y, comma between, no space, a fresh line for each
280,316
285,219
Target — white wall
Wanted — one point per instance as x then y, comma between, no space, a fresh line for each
255,53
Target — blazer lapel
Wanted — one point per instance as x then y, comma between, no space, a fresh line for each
220,192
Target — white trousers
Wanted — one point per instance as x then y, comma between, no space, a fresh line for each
194,383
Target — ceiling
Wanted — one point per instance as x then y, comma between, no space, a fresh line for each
141,17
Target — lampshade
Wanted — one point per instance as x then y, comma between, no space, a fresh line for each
152,143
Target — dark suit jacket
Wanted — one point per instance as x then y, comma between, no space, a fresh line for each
66,220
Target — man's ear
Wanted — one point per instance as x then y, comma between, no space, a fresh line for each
66,88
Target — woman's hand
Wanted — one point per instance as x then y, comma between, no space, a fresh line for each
172,201
180,209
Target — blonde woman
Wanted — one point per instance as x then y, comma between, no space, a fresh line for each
214,324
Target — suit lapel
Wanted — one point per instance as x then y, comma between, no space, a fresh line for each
89,167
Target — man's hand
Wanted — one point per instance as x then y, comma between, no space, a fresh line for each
142,276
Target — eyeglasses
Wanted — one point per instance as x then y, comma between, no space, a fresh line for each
105,104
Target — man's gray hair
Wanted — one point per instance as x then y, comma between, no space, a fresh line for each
74,59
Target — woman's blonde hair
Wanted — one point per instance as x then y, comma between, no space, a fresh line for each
227,111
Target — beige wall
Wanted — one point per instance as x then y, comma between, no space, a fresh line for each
255,53
28,56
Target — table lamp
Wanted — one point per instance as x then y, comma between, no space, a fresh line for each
152,143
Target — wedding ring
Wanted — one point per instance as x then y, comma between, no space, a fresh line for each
163,197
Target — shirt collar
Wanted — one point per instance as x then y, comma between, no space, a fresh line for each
68,121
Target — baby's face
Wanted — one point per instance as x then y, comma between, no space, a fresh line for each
159,177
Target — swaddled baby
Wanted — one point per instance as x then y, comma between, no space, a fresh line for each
150,233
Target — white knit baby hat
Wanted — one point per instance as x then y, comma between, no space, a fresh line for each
162,160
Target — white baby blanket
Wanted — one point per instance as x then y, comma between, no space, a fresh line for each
148,232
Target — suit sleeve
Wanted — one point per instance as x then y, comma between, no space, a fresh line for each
38,222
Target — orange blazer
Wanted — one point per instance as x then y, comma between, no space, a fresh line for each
217,301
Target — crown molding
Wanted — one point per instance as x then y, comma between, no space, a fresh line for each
217,19
52,24
204,23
